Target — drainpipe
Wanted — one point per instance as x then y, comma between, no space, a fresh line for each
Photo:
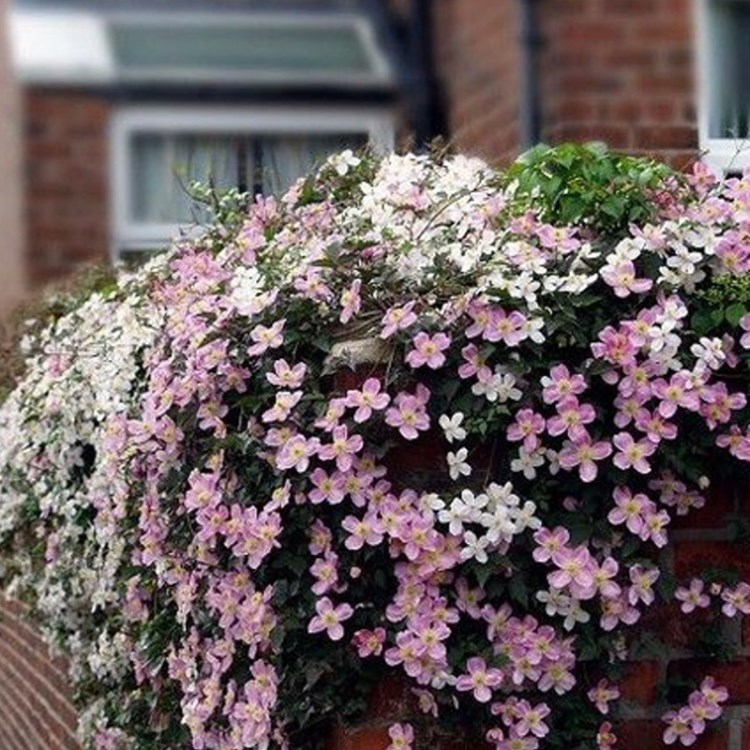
426,111
531,42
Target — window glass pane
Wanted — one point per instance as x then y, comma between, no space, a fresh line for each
730,69
283,159
240,49
164,165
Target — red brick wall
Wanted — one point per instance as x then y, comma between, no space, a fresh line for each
36,714
478,61
700,543
67,181
620,71
35,710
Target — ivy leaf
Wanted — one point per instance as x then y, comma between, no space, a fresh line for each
518,589
702,322
734,313
717,317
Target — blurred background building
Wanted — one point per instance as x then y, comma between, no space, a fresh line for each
112,107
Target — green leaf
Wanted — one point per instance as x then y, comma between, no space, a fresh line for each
717,316
518,590
702,322
734,313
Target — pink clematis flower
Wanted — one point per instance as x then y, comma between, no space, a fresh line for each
285,376
622,279
655,427
654,528
368,530
369,642
531,719
549,543
397,319
328,488
474,364
571,418
714,695
329,618
526,428
409,415
342,449
678,392
602,695
736,600
296,453
510,328
402,737
560,383
325,570
615,347
643,581
631,453
428,350
617,610
370,398
479,679
351,302
266,337
283,406
630,509
692,596
584,454
605,737
679,727
575,568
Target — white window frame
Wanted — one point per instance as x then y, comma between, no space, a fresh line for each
376,123
380,70
63,47
721,154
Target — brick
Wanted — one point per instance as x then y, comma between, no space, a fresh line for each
674,627
478,65
593,32
615,136
641,682
664,136
392,700
67,182
464,740
639,735
360,739
720,503
35,710
733,675
694,557
647,735
630,8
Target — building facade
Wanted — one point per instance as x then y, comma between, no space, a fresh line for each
124,104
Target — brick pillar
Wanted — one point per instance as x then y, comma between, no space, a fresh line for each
35,707
67,181
622,72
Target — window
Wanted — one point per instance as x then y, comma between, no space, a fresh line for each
254,46
180,46
158,152
724,67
